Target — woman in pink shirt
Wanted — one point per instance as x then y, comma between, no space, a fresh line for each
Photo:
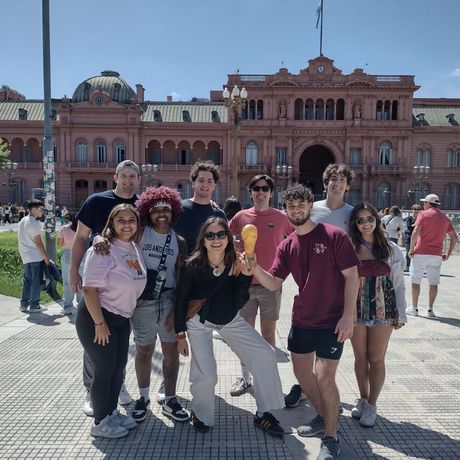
111,286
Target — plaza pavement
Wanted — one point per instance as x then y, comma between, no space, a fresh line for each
419,408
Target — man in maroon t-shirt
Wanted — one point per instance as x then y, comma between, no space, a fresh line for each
427,250
324,265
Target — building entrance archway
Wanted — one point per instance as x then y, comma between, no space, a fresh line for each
312,163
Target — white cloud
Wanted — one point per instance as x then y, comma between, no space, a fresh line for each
455,73
176,96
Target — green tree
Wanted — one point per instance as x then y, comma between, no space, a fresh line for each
4,153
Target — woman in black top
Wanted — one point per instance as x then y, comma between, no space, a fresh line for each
210,280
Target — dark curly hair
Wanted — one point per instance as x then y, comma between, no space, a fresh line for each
204,165
297,192
381,249
152,196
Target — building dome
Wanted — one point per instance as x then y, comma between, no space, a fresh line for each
109,82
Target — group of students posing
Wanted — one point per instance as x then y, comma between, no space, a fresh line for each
174,269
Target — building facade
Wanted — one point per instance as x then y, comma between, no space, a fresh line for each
301,122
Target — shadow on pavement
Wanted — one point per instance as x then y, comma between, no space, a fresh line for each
406,439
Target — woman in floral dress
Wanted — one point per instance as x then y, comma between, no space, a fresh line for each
380,306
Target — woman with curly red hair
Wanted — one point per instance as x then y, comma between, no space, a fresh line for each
163,252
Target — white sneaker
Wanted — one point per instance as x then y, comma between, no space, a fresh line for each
88,405
126,421
357,411
240,386
412,311
369,415
430,314
108,428
161,395
124,398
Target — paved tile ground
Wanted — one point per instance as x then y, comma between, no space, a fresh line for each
419,409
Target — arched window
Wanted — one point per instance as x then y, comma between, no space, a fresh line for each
456,159
298,109
394,110
452,196
319,109
309,109
252,110
101,152
82,152
423,157
449,158
252,153
386,110
379,110
260,109
330,109
120,152
385,154
340,111
383,195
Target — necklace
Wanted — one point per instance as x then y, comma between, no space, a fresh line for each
217,271
368,245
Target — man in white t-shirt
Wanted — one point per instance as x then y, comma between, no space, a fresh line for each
33,253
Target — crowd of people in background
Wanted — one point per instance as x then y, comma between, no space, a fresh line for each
177,270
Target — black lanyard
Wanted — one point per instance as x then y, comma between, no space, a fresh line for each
161,265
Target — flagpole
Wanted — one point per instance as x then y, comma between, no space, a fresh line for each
321,32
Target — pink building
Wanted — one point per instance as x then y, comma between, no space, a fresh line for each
303,121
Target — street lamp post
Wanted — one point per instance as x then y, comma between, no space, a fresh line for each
148,172
235,102
284,173
421,173
10,168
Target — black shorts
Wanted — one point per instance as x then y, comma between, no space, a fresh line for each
321,341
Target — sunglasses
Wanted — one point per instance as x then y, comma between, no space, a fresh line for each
367,220
258,188
210,236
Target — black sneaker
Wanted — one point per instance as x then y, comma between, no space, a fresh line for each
269,424
330,449
140,409
174,410
198,424
292,399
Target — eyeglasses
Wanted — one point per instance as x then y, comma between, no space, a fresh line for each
367,220
210,236
258,188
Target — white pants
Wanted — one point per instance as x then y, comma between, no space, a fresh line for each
250,347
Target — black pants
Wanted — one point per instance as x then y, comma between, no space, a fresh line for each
108,361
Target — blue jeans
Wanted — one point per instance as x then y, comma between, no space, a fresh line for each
65,265
31,285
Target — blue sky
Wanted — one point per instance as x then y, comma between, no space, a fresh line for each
187,47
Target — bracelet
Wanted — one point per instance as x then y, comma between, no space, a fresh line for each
181,335
99,324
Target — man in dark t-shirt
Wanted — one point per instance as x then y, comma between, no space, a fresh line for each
324,265
196,210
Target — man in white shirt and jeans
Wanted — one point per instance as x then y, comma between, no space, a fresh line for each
33,253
